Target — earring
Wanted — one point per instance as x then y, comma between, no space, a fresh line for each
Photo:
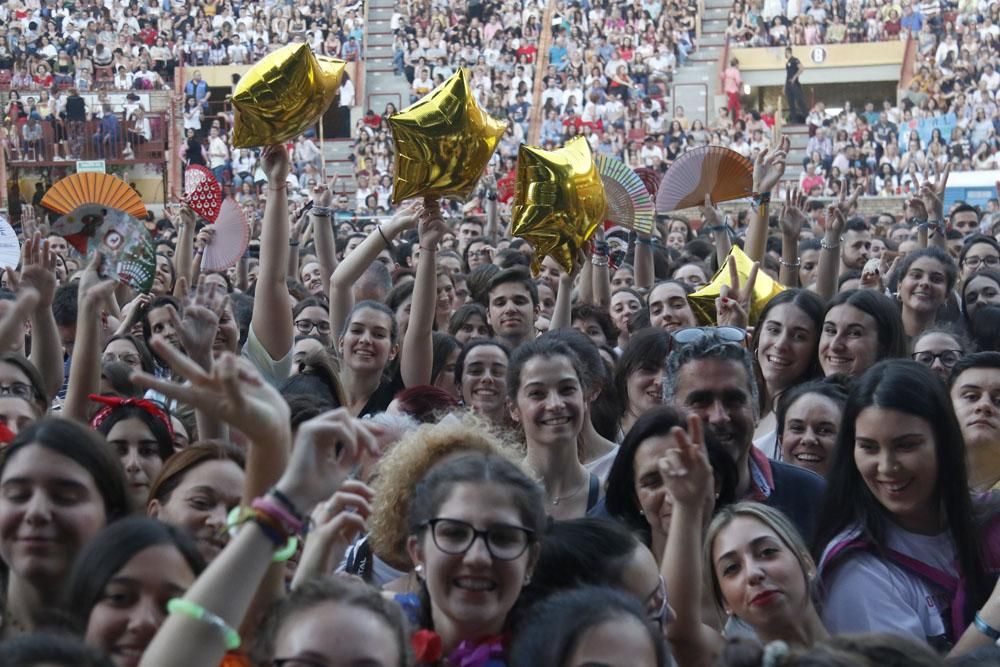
642,513
419,571
527,579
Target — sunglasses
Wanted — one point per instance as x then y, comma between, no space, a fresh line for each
722,335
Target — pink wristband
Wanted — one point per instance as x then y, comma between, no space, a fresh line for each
270,506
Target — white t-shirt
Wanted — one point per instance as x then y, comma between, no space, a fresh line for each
865,593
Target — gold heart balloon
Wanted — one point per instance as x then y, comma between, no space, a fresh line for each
559,202
282,95
443,142
765,288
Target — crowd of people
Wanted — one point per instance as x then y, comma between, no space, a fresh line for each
389,444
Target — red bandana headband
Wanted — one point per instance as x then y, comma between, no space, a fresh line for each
111,403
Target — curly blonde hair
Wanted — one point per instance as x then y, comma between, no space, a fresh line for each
409,460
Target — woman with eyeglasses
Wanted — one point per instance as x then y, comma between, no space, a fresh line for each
545,394
311,318
474,527
979,253
20,379
757,564
940,348
905,548
130,350
980,289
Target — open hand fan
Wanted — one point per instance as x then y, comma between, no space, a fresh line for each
93,188
507,187
229,240
202,192
720,172
629,203
650,178
129,255
10,247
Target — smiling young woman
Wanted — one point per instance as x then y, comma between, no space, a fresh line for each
928,276
898,515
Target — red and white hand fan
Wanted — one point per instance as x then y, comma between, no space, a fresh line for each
202,192
229,240
721,172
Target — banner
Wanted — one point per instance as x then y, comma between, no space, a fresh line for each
924,127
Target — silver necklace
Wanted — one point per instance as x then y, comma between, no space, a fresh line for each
559,499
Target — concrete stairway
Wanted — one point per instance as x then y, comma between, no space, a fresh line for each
381,86
696,83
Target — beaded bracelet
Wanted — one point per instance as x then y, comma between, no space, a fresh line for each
828,246
321,211
599,262
199,613
792,265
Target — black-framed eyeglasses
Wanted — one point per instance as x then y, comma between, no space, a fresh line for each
948,357
19,389
504,542
973,261
304,327
724,334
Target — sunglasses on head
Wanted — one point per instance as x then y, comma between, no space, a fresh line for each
691,335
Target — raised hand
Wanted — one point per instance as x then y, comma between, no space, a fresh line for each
835,223
844,203
38,270
232,391
275,163
932,193
327,450
711,216
405,217
733,303
430,224
197,328
13,319
793,217
686,471
335,524
769,167
871,274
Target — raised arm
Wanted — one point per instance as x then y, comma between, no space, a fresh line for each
326,450
767,172
85,370
272,312
645,275
38,273
184,249
351,268
715,222
829,256
687,475
418,355
322,225
791,222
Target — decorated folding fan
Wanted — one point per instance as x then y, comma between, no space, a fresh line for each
229,240
10,247
721,172
202,193
93,188
629,203
129,255
650,178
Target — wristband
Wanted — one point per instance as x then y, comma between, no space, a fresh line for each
273,510
240,515
293,243
280,496
199,613
599,261
828,246
382,234
986,628
792,265
492,196
321,211
645,241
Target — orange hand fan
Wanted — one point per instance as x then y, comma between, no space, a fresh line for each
93,188
720,172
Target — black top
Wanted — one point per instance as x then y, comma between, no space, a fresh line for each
791,67
76,108
386,391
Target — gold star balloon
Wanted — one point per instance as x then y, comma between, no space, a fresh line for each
443,142
765,288
283,94
559,202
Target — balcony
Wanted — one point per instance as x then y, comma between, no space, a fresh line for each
83,141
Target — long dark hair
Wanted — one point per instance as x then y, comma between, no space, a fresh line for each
164,440
888,320
620,498
913,389
810,304
109,552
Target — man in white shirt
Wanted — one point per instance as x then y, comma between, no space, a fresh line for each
422,85
573,90
991,77
651,154
237,52
218,153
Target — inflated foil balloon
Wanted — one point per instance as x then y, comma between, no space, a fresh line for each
282,95
443,142
560,200
765,288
